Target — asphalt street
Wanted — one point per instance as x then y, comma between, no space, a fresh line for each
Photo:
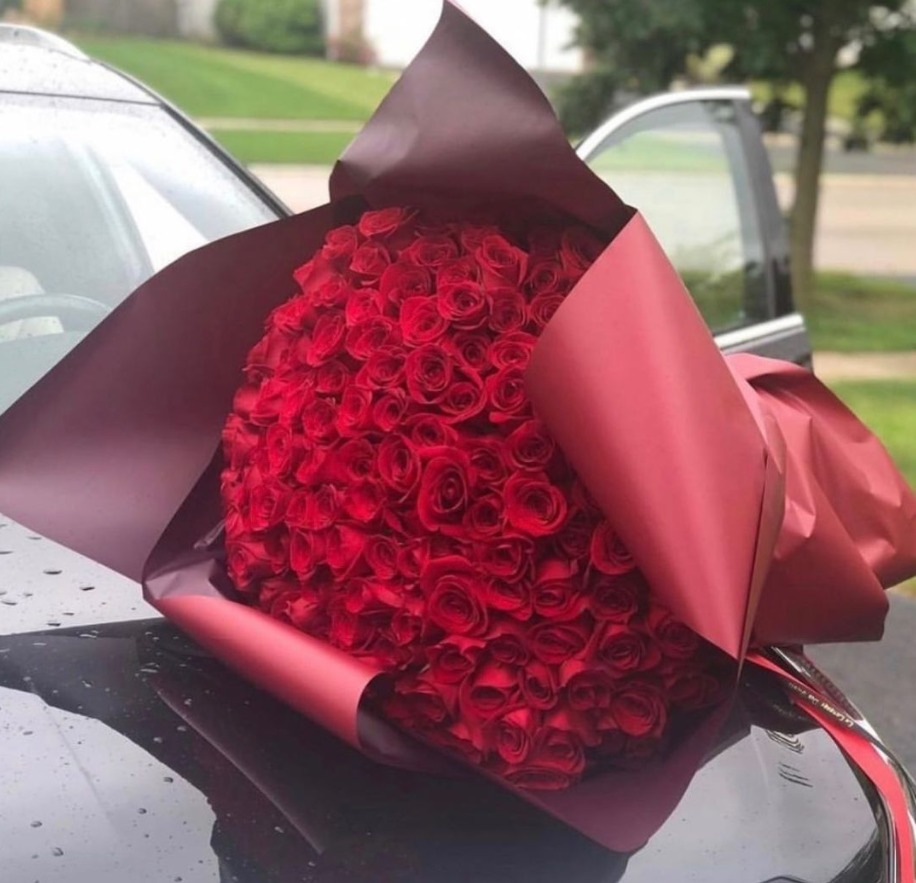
879,677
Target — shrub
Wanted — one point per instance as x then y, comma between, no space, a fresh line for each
287,26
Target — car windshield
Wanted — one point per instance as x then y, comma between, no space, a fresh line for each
96,196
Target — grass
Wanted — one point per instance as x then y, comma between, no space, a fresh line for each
208,81
857,314
886,407
310,148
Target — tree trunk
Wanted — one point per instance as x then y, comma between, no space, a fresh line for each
817,76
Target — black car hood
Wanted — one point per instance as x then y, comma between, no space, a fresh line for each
128,754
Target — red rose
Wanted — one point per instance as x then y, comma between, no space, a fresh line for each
464,399
513,597
389,409
505,644
463,269
406,628
353,414
332,378
267,354
487,459
279,442
297,608
383,222
586,688
508,559
412,558
306,552
555,642
486,692
268,401
371,335
558,592
398,464
445,491
534,506
500,260
485,517
420,321
618,598
538,684
363,304
370,260
267,504
363,501
353,461
453,592
608,553
344,549
454,659
691,687
246,562
472,235
626,650
429,371
508,311
506,393
512,350
309,462
340,242
542,308
511,734
579,249
416,704
327,338
431,250
319,510
462,304
675,639
471,349
560,750
639,708
332,292
381,554
427,431
546,277
239,440
574,538
530,447
384,368
401,281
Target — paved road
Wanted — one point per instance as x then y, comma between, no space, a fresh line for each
867,222
879,677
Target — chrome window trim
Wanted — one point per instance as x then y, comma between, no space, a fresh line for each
742,336
657,102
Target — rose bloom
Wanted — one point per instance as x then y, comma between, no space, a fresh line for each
534,506
444,492
454,593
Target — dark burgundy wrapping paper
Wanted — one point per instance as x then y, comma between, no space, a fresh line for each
758,507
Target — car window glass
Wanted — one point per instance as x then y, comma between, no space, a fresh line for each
96,197
684,168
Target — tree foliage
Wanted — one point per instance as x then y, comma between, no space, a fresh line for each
288,26
641,45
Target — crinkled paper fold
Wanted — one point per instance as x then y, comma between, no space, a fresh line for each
758,507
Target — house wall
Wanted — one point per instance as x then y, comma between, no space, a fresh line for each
536,35
196,19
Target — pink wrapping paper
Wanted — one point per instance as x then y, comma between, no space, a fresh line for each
759,508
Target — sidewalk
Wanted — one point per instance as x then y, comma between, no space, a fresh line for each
865,366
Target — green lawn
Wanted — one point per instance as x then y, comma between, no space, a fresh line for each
207,81
857,314
310,148
888,408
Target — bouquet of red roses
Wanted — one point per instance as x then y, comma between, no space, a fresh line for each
487,470
389,490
